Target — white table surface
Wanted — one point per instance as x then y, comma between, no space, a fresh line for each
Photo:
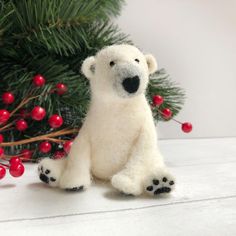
203,204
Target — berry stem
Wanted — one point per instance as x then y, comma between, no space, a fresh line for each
56,140
8,158
7,126
177,121
1,164
27,100
24,102
171,118
40,138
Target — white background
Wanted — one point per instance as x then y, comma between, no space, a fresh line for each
195,40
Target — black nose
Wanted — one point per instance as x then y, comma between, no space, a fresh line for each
44,178
131,85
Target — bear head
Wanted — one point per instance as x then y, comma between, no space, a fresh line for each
120,71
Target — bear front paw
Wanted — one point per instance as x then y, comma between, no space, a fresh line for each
45,175
49,171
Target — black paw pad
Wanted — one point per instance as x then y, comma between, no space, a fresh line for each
149,188
75,189
155,181
164,179
162,190
44,178
52,179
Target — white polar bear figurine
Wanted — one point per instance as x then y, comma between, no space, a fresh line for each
118,140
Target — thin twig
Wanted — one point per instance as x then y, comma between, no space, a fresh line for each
40,138
56,140
23,102
7,126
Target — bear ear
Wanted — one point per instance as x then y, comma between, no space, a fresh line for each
88,67
152,63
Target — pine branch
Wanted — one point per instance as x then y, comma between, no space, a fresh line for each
30,15
174,96
97,36
18,72
109,8
5,13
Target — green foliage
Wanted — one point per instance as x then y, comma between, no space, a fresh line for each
53,37
5,12
161,84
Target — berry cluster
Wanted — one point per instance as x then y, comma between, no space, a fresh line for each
15,167
24,117
37,113
45,147
166,113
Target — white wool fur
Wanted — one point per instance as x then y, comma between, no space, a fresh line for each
118,140
152,63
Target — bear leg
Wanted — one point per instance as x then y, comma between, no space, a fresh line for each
75,179
127,184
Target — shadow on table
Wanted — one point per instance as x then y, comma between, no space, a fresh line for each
5,186
104,188
115,195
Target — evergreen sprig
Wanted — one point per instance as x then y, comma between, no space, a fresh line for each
174,96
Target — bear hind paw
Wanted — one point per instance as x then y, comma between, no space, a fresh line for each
160,184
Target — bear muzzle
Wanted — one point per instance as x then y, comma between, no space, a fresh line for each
131,84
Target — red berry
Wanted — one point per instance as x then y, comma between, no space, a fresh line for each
2,172
15,160
1,138
8,98
38,113
166,113
157,100
67,146
38,80
16,170
59,154
26,154
187,127
1,151
55,121
4,116
45,147
61,88
21,125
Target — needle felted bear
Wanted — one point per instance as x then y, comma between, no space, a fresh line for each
118,140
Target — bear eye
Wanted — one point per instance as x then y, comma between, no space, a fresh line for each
112,63
137,60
